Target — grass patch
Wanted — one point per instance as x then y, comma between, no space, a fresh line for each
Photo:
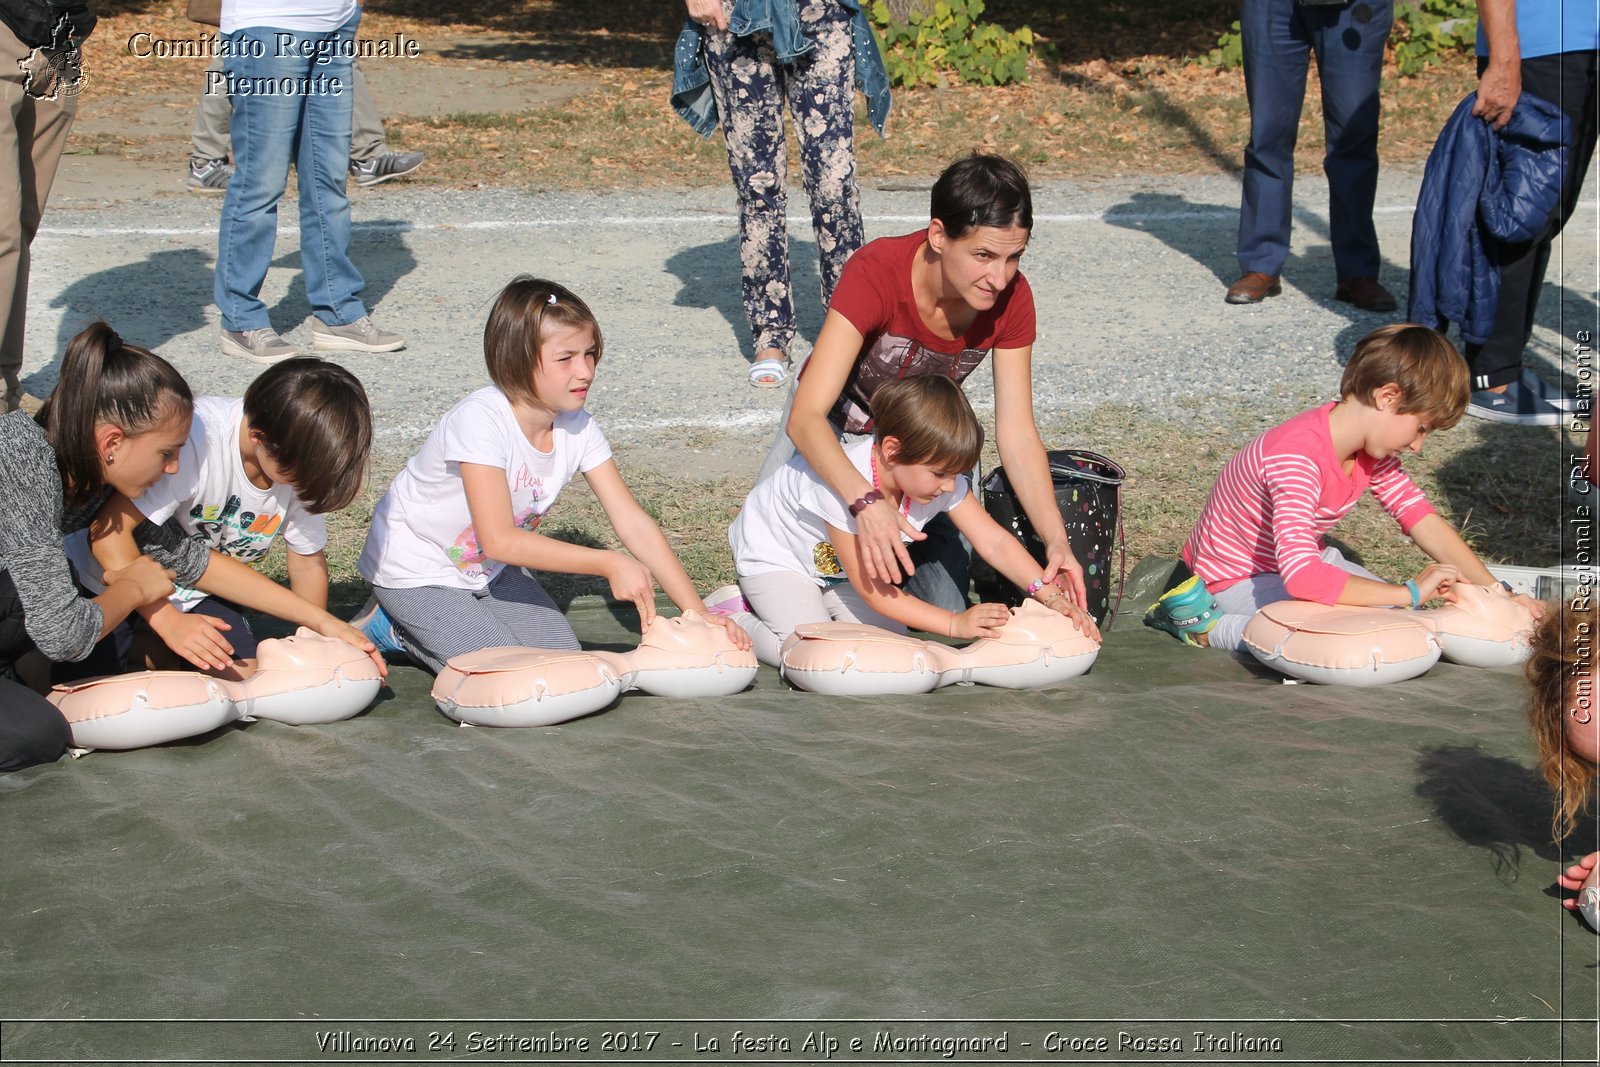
1114,94
1490,481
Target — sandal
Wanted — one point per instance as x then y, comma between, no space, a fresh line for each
768,373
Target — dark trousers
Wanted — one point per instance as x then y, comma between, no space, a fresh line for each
31,729
1568,81
943,562
1279,37
238,634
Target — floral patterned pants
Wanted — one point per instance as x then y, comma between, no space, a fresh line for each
750,86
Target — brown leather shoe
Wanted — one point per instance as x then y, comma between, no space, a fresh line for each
1368,294
1253,288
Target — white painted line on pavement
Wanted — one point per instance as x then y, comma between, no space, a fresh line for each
1112,217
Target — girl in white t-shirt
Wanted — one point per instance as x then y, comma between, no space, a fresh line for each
794,541
449,540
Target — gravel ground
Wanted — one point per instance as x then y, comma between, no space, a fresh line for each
1128,276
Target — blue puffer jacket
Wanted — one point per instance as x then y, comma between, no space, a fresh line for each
1482,187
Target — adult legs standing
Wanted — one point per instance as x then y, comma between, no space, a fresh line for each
210,139
322,162
750,85
1349,49
1567,80
366,125
744,80
313,128
820,90
1276,60
39,113
1348,39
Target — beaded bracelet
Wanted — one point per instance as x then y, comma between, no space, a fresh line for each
869,498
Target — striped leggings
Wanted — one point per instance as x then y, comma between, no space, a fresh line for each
437,623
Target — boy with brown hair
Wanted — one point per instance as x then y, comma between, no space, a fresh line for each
294,448
795,546
1259,538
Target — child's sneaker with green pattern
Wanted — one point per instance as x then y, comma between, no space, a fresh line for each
1184,610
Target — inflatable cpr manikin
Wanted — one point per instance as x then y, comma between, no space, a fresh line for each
1589,900
1484,627
1339,645
299,680
1036,647
682,657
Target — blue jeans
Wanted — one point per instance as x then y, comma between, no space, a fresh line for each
309,125
1348,39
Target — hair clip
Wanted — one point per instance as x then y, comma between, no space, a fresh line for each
551,299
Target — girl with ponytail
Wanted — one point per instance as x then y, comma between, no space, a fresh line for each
115,423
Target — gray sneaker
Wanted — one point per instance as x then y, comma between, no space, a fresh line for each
362,335
209,175
1554,395
258,346
379,169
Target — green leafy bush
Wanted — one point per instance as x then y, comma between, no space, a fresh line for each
947,39
1423,31
1229,53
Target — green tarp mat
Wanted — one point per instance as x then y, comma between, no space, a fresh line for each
1176,843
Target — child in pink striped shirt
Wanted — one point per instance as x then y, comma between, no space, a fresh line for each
1259,539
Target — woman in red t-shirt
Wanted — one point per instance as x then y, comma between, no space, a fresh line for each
937,301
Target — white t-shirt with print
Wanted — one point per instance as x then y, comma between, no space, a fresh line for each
422,532
783,525
212,497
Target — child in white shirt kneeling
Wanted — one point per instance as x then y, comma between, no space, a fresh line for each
794,541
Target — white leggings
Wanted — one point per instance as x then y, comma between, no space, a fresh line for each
1244,598
782,600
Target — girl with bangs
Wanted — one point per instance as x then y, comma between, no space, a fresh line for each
450,540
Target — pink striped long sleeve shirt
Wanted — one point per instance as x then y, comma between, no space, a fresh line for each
1279,495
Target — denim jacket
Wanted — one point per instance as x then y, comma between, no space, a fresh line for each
691,81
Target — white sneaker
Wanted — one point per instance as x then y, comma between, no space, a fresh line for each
362,335
258,346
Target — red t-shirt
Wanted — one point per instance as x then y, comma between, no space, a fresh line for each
874,293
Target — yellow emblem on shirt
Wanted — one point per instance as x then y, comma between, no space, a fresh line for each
827,560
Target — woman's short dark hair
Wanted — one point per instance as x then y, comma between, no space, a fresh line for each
981,191
930,416
104,380
314,419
